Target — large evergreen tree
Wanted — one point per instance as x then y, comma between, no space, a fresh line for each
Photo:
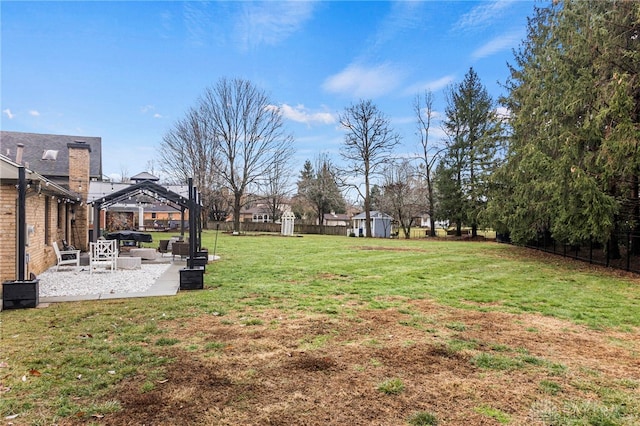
473,131
319,188
573,159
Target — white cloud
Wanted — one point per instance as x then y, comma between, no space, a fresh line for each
505,41
300,114
156,115
503,112
8,113
403,16
482,15
364,82
433,85
271,22
145,109
34,113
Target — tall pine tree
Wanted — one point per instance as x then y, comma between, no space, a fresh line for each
573,160
473,131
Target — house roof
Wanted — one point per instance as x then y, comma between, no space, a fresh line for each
36,146
260,209
374,214
336,216
9,171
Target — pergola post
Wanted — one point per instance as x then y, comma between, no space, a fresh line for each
22,222
182,221
193,233
96,221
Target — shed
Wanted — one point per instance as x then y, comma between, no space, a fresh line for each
380,225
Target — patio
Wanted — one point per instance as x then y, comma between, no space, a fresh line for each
159,277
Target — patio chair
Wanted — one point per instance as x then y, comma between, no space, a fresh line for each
66,257
103,253
163,247
179,249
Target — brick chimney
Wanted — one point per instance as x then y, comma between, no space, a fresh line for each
19,151
79,166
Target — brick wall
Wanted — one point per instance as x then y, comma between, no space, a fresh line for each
79,182
8,205
39,249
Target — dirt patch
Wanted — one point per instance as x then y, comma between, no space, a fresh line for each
308,369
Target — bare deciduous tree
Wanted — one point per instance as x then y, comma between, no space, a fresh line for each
368,143
249,134
190,150
423,108
277,188
400,196
124,174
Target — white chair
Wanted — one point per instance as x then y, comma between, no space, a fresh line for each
103,253
72,256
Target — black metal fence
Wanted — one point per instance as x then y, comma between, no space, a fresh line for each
622,252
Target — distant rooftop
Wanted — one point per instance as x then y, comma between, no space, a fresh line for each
144,176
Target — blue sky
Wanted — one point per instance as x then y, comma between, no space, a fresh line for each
126,71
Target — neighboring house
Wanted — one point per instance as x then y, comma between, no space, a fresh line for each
336,219
261,212
58,169
423,221
380,225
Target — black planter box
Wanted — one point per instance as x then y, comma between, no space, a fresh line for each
192,279
199,261
20,294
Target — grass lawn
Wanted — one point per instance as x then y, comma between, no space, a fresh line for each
322,330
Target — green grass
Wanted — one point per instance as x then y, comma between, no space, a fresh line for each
494,413
423,418
393,386
495,276
82,350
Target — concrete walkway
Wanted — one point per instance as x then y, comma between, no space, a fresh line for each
167,285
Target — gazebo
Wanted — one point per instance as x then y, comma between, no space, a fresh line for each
149,188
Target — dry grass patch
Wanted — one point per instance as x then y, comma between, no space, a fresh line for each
266,375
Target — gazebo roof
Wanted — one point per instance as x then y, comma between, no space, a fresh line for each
147,188
144,176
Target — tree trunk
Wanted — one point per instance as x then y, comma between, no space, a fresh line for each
613,246
635,198
367,203
432,219
321,220
236,212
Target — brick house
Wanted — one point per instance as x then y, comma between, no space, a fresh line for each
58,171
